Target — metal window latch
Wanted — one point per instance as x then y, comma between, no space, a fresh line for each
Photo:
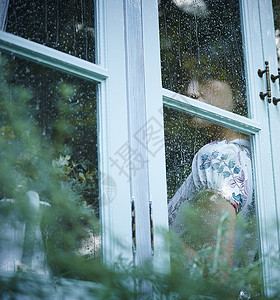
274,78
275,100
268,93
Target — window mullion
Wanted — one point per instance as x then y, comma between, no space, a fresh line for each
100,33
155,145
136,98
51,57
113,138
210,113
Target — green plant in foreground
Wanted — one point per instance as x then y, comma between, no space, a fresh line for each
28,162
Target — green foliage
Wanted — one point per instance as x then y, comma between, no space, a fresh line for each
82,177
28,162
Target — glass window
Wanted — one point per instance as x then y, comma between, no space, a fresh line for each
210,190
201,44
48,139
68,26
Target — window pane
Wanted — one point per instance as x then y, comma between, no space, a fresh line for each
209,179
201,51
48,146
67,26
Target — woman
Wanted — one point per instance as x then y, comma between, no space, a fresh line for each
203,210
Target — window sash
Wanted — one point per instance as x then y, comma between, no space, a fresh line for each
113,121
111,100
210,113
51,57
262,123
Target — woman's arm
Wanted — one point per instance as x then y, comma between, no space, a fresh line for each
209,222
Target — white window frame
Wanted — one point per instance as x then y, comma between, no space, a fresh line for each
263,119
128,73
109,74
271,207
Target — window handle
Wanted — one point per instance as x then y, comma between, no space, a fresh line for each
274,78
268,93
275,100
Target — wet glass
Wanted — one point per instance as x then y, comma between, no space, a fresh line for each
67,26
201,44
209,174
48,145
276,15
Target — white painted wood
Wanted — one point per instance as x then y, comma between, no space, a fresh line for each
113,140
210,112
100,34
262,158
4,4
156,150
273,111
105,184
136,101
51,57
269,54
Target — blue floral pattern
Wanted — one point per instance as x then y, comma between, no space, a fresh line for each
221,166
229,169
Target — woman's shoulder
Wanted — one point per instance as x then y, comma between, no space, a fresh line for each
220,144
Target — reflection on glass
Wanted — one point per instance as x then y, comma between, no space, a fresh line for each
276,14
67,26
210,191
48,146
201,44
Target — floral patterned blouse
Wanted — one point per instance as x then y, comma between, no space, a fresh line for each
221,166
